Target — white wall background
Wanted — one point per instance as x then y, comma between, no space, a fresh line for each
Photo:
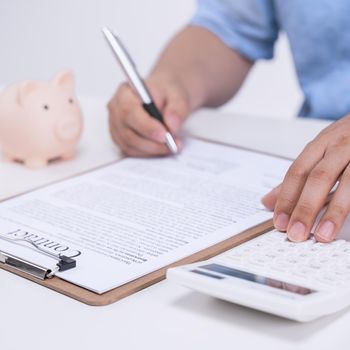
41,37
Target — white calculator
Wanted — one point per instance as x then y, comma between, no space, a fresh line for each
300,281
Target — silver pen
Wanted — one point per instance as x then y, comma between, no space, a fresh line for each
137,83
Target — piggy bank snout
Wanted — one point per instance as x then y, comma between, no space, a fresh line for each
68,129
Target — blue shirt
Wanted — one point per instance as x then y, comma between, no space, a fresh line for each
319,37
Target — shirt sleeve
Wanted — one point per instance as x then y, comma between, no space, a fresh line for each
248,26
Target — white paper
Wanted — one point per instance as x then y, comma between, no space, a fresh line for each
138,215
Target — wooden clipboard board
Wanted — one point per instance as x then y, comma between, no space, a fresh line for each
85,296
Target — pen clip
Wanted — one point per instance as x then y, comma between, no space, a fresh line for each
26,266
63,263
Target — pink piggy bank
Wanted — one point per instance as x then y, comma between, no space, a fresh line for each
40,121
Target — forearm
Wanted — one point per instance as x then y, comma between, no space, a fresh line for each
209,71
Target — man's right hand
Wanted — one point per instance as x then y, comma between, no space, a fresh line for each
134,130
196,69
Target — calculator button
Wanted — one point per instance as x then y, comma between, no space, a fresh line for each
335,255
259,259
245,250
281,263
316,266
271,254
324,260
281,249
343,269
304,271
306,244
292,259
345,250
327,280
339,243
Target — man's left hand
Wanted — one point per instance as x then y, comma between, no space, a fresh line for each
306,186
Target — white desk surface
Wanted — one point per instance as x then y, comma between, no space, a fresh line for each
163,316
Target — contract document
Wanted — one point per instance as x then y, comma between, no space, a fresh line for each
133,217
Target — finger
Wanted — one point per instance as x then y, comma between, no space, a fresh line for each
117,138
172,102
128,110
144,125
120,105
113,129
294,182
270,199
176,108
314,194
124,147
123,98
146,148
134,144
337,211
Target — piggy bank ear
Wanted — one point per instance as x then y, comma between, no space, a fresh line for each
65,80
26,89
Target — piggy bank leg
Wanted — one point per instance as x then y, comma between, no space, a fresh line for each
35,163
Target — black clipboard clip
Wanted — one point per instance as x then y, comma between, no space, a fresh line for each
64,263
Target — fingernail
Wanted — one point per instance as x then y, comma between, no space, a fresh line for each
281,221
158,136
173,121
326,230
297,232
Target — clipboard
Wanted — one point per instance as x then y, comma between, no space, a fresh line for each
93,299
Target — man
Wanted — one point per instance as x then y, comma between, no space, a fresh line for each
205,65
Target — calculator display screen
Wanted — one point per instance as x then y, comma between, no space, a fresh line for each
225,271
